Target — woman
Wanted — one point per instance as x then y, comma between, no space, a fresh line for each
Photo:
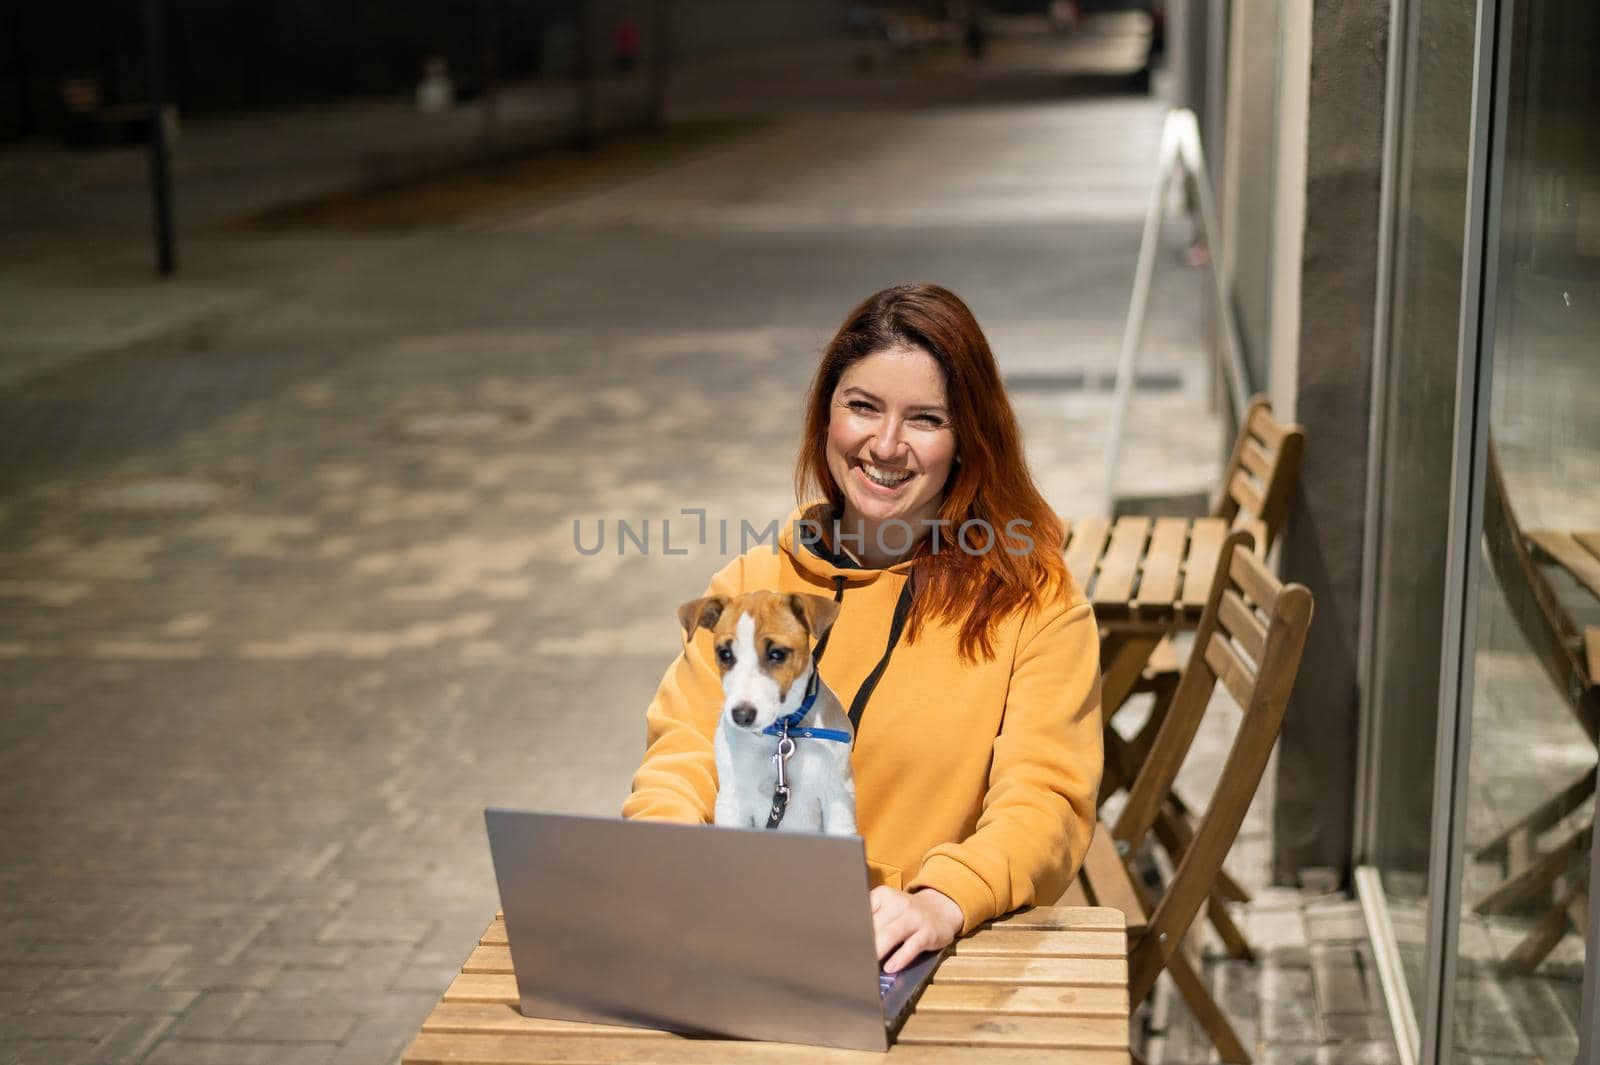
978,757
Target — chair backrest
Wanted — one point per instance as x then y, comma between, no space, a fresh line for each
1261,472
1250,638
1546,625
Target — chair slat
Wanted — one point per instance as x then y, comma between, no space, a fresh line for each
1242,624
1084,548
1591,653
1244,492
1265,427
1232,670
1250,573
1163,562
1205,544
1255,459
1119,566
1589,541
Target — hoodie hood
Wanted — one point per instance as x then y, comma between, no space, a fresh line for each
801,539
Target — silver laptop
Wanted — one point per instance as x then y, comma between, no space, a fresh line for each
708,931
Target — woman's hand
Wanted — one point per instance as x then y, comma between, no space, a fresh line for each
922,920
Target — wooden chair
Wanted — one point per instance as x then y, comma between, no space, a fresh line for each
1257,483
1571,659
1254,495
1250,638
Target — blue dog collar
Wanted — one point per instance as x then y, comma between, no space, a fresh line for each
790,726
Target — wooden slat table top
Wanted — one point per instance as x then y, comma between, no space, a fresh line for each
1048,985
1576,552
1149,572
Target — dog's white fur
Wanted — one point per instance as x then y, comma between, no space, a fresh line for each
822,795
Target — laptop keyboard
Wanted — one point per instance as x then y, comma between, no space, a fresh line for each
885,982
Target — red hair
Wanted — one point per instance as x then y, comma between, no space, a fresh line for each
974,584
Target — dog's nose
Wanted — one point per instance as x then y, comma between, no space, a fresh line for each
743,714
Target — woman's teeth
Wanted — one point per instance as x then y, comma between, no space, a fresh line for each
887,478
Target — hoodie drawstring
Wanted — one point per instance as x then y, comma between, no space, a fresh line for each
902,609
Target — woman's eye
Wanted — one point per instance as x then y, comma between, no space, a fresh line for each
860,406
930,421
777,654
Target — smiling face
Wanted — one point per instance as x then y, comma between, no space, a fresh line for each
891,444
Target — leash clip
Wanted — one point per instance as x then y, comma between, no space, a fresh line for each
785,751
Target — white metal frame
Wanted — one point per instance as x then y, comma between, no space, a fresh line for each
1386,953
1180,155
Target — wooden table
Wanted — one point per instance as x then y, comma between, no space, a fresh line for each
1146,578
1049,985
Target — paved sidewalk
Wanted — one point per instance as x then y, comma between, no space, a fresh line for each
289,594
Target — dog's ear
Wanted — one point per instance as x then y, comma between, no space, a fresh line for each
698,612
816,612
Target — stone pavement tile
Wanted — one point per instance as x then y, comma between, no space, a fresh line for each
58,1025
24,977
130,1040
1335,922
1341,977
96,953
378,1041
374,967
293,1026
1486,1020
153,960
1288,1005
1237,988
427,972
43,1051
355,998
1273,927
289,888
15,1002
367,930
1368,1053
101,999
194,1052
302,956
214,1014
1349,1027
221,977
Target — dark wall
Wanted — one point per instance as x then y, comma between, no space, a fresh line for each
1323,542
232,55
227,56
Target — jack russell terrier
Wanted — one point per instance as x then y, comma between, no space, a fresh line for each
783,740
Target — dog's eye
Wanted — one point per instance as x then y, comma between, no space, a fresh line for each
777,654
725,655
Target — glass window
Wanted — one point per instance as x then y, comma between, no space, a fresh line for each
1418,416
1535,708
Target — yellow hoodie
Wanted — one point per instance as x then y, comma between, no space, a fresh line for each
978,781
